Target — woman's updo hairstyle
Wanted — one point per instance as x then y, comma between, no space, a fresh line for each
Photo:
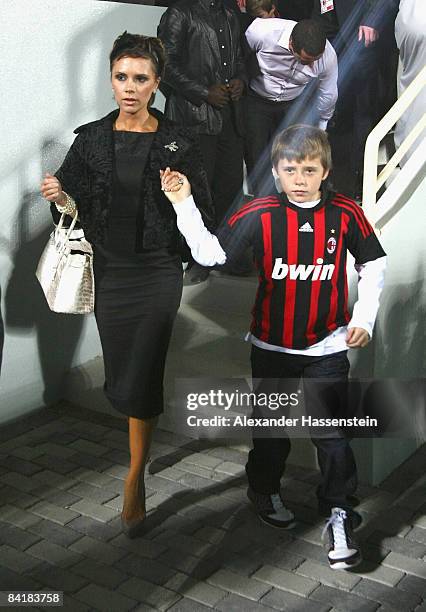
136,45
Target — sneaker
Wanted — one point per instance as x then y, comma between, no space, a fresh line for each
355,517
343,551
271,509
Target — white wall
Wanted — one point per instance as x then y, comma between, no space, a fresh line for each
55,76
399,347
398,353
401,326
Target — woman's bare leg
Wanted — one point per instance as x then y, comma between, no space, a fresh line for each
140,437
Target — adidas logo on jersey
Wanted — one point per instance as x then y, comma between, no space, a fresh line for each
306,227
302,272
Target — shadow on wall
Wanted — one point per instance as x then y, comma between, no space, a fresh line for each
399,359
26,309
404,335
398,347
87,52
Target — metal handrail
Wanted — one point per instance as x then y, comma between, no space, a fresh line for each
372,182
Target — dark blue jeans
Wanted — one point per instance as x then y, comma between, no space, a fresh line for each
326,396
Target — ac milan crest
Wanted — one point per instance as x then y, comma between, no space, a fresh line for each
331,245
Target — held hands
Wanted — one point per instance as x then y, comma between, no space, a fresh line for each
175,185
357,337
51,189
369,35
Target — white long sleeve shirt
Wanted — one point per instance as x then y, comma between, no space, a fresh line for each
207,250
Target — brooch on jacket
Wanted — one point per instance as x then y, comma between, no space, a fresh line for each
172,146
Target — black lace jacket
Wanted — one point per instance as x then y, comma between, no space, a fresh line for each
86,174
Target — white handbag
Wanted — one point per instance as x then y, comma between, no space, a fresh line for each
65,270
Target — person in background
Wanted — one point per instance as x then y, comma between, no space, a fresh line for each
291,56
354,28
261,8
410,34
301,325
296,10
111,178
253,9
205,79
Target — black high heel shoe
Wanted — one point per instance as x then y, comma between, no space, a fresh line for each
135,528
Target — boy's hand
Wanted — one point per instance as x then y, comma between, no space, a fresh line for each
175,185
357,337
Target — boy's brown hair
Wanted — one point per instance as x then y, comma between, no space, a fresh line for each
299,142
254,6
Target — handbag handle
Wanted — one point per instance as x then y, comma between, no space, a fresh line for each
69,232
71,227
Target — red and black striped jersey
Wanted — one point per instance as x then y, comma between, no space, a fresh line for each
300,254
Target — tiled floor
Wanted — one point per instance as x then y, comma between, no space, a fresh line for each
61,474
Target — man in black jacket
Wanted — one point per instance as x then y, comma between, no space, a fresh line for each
203,83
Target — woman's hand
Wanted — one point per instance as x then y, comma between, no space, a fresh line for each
51,189
175,185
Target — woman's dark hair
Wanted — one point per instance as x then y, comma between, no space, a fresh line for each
308,35
136,45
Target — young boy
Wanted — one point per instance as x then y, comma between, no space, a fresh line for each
301,327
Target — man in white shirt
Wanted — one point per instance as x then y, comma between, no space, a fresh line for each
293,58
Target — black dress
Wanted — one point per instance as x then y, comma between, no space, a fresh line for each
137,295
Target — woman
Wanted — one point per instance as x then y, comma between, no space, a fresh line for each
111,174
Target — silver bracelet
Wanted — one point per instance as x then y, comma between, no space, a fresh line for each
69,208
